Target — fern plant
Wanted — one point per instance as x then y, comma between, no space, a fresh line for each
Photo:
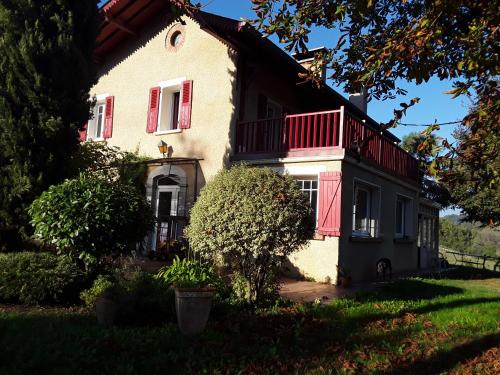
188,273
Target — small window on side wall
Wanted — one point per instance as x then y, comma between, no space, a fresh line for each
310,188
100,125
365,210
95,127
403,217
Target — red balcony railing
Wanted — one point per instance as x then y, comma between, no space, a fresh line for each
323,131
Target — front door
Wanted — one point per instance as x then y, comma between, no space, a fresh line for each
166,213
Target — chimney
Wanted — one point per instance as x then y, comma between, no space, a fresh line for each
307,58
359,100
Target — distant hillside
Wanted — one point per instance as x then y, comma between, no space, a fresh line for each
469,237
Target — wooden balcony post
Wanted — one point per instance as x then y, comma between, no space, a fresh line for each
341,124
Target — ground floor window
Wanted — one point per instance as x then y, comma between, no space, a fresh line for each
310,188
365,210
403,216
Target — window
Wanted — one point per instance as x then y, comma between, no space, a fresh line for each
365,210
273,109
403,217
95,126
175,37
169,108
310,189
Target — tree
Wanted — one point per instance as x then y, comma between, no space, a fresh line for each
248,220
46,72
110,163
89,217
426,149
381,41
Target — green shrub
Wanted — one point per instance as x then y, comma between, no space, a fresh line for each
101,283
248,220
188,273
90,217
148,301
35,278
109,162
142,299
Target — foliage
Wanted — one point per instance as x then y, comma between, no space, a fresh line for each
89,217
472,170
411,326
34,278
247,220
464,237
142,298
426,149
380,42
46,72
109,162
188,273
100,285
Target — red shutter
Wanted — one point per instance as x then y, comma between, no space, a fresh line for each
83,133
330,189
108,117
186,100
153,109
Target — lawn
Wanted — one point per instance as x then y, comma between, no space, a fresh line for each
416,326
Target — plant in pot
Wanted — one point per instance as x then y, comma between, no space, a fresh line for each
106,305
194,284
104,297
343,277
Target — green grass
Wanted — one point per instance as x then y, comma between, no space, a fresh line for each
410,326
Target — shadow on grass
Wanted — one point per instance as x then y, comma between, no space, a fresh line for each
408,290
445,360
466,273
287,341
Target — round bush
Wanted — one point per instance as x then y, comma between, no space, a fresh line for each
248,220
35,278
91,217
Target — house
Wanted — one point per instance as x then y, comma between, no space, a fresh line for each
213,92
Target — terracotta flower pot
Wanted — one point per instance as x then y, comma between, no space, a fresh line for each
193,307
105,310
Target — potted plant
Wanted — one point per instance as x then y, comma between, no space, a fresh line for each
343,277
194,284
106,305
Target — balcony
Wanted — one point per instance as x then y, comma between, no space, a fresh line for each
323,133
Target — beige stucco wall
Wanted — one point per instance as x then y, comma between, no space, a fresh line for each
131,71
361,257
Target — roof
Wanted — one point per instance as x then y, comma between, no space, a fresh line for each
123,19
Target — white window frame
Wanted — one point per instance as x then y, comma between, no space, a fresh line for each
311,179
100,101
170,86
374,199
406,216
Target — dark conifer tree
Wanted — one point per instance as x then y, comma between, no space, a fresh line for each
46,72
